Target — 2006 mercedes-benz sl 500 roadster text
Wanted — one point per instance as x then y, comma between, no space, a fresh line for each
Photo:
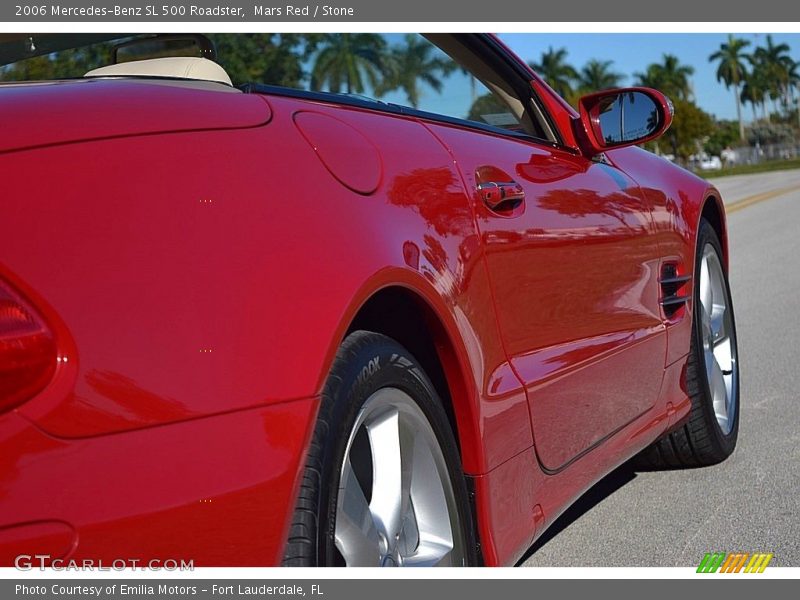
349,299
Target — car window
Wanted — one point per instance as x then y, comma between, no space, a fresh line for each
434,74
422,76
404,69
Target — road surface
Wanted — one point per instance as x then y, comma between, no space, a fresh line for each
751,502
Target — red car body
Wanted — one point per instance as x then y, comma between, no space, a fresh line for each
199,256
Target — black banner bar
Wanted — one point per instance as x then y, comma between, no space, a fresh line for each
453,11
390,589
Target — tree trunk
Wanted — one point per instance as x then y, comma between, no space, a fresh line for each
739,110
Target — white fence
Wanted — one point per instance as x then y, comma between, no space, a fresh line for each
749,155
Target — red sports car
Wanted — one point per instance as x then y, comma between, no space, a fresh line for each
344,300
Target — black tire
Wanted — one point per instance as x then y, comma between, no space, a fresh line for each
700,441
350,383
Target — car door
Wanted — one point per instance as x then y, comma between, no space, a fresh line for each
574,271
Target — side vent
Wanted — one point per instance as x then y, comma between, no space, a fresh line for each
675,291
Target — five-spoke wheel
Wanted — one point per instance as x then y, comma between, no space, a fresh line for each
396,506
382,484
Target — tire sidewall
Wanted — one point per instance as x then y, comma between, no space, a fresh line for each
377,364
726,442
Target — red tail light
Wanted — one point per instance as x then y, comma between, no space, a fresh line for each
27,350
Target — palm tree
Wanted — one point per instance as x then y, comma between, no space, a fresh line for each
350,61
775,63
652,78
417,61
753,91
732,70
670,77
597,75
794,76
558,73
678,76
793,82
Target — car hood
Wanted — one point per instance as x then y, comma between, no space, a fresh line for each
59,112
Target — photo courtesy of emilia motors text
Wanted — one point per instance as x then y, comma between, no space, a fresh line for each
505,289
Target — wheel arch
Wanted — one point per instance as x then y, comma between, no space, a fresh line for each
713,211
398,306
394,311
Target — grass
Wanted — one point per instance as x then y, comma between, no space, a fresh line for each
764,167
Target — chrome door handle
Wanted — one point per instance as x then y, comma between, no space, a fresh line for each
494,194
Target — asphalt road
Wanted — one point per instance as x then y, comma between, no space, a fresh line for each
751,502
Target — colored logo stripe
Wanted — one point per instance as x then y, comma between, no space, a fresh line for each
711,562
758,563
733,563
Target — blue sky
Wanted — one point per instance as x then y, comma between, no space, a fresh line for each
633,52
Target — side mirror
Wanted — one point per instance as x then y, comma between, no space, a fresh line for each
623,117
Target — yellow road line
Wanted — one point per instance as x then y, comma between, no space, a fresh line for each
750,200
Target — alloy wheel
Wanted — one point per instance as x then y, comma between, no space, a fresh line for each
718,340
396,505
